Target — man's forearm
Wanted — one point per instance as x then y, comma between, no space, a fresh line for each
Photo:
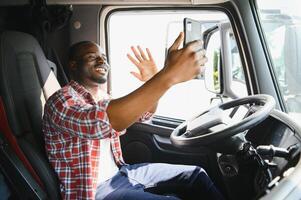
153,108
181,65
124,111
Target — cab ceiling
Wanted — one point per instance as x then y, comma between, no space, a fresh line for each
115,2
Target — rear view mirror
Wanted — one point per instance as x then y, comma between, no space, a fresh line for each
207,35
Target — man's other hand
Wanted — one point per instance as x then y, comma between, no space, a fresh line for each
145,64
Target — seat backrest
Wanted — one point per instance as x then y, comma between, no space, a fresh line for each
26,81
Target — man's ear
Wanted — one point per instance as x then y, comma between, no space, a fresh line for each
72,65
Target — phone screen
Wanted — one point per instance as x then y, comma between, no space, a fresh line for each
192,30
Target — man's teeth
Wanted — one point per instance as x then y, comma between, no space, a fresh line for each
100,69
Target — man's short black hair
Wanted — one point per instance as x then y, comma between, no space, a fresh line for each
74,49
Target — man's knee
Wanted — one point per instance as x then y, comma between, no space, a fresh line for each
201,178
201,170
125,194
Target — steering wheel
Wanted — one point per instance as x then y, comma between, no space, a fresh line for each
216,124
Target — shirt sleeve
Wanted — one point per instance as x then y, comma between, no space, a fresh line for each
88,121
146,116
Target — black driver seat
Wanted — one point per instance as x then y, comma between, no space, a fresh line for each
26,81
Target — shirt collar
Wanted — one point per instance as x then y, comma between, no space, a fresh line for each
80,89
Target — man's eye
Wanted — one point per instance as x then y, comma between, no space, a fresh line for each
92,57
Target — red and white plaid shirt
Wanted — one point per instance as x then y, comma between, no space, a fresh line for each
73,124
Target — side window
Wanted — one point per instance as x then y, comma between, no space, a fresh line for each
281,25
157,30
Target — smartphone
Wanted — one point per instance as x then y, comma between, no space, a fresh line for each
192,30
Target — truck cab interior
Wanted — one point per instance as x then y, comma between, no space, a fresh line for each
239,119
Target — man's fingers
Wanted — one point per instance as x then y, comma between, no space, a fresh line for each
202,61
177,42
137,75
142,53
133,60
200,54
203,52
136,53
149,54
195,45
200,57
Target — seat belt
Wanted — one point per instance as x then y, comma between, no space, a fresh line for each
11,139
48,21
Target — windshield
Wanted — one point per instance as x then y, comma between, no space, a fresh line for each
281,23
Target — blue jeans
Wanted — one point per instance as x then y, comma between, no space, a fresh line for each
158,181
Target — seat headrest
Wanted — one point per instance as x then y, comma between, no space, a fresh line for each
26,80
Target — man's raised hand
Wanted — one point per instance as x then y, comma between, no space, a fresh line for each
145,64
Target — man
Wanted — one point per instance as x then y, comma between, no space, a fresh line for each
82,128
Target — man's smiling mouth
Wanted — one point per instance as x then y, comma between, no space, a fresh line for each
101,68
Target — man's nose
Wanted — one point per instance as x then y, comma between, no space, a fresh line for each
99,59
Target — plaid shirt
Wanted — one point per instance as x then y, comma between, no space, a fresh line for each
73,124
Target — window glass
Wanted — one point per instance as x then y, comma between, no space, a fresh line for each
156,30
281,23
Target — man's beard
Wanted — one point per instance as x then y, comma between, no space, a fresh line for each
100,80
95,78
